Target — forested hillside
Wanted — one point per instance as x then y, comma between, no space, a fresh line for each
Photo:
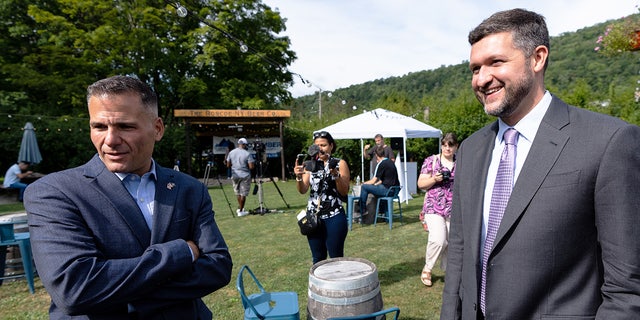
443,98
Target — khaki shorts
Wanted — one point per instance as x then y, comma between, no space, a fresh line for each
241,186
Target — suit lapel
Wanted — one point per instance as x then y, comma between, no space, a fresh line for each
544,152
166,194
481,160
123,206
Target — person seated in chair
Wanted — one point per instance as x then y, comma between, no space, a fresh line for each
13,176
384,177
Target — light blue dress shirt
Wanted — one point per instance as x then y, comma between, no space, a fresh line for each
143,190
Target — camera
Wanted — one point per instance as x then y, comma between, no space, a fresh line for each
258,146
446,174
333,163
314,165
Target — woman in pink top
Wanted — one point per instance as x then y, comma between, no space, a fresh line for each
436,177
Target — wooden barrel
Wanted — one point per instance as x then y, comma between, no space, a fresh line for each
343,287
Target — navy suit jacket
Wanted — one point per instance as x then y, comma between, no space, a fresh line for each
98,259
568,245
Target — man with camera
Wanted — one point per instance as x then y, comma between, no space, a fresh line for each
241,164
385,176
369,153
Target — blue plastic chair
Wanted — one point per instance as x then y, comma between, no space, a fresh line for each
21,239
267,305
374,315
351,199
387,212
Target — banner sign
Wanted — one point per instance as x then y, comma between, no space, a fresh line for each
272,146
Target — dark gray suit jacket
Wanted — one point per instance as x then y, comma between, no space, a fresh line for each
98,259
569,243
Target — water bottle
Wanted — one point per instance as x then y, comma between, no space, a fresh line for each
358,180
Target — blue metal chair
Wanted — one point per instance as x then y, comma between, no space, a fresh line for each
351,199
375,315
387,212
21,239
267,305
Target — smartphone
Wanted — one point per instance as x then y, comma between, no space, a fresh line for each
300,159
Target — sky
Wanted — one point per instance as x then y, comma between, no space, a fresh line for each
340,43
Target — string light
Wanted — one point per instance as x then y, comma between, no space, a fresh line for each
182,12
67,123
243,48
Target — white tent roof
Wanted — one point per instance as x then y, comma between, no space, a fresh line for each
390,125
380,121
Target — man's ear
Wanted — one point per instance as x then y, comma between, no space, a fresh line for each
159,126
539,58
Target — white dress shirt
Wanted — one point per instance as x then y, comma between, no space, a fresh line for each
527,128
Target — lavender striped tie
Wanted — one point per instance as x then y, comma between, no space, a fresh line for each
499,198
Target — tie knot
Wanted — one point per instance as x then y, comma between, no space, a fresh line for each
511,136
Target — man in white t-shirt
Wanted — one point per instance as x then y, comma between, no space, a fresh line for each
13,176
241,164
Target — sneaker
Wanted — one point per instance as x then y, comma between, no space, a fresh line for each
242,213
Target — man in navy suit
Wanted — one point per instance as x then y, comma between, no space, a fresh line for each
567,245
121,237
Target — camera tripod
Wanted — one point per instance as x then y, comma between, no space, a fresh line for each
261,209
207,172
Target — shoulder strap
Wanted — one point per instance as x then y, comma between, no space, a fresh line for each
433,164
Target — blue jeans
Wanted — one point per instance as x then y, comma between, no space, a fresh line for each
20,186
376,190
330,236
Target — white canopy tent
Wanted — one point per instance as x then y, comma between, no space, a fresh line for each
390,125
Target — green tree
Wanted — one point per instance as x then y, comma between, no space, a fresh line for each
222,54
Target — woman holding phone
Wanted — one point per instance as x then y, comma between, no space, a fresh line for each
327,178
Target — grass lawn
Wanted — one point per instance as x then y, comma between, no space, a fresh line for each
273,248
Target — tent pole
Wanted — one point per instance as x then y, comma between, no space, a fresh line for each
404,154
362,161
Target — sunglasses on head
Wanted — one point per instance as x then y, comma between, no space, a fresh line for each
321,134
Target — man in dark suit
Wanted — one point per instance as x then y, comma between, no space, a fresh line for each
121,237
568,243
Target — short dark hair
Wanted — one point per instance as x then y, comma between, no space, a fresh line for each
378,136
529,30
450,139
379,151
124,84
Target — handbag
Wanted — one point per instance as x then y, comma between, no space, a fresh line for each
308,222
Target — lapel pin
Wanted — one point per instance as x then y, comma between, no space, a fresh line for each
170,185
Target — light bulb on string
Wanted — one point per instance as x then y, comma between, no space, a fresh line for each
309,84
355,108
329,94
211,17
181,11
344,102
243,48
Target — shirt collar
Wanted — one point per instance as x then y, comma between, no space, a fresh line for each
151,174
527,127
